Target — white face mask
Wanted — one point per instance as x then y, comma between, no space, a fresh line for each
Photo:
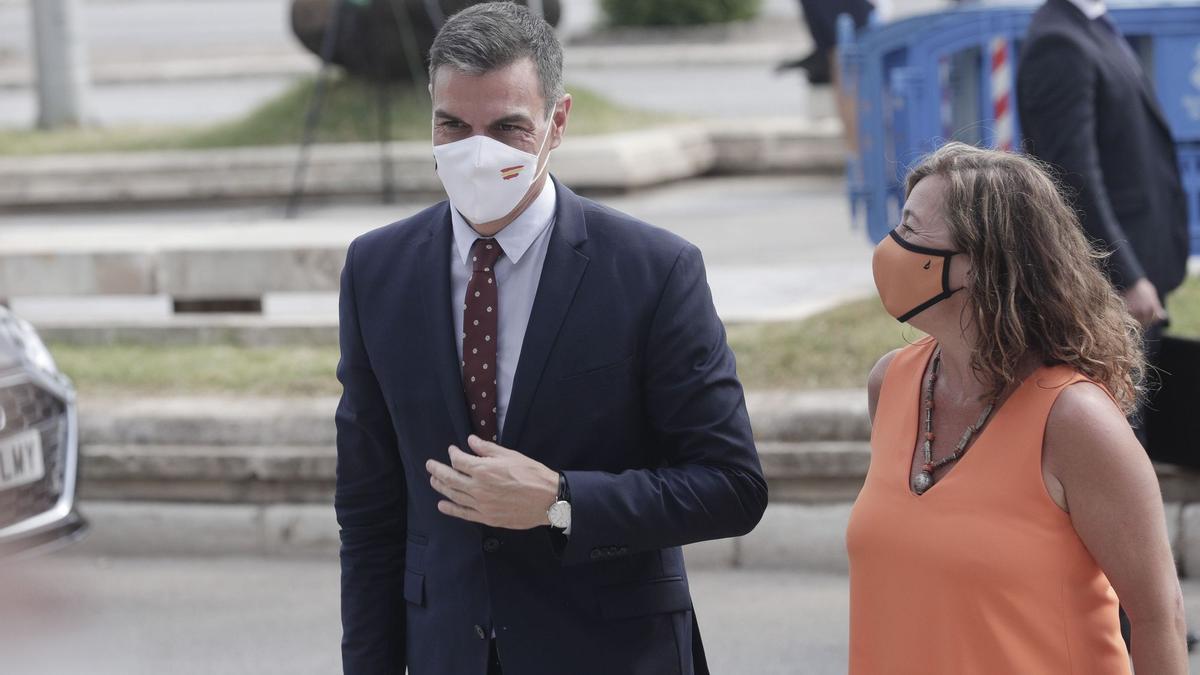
486,179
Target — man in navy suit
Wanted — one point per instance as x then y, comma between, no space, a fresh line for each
539,407
1088,109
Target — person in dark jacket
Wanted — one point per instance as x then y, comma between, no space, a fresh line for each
1087,108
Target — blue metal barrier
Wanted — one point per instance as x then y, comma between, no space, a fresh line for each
921,81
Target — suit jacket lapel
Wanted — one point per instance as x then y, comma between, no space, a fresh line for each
561,274
1103,37
434,259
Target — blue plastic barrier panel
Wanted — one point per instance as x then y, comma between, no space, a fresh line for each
1177,66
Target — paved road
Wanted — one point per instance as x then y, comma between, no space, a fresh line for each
137,32
129,616
775,246
123,29
75,614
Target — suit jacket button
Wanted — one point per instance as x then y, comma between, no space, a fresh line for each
624,550
479,632
491,545
596,553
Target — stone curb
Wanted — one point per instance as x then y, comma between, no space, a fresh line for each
215,476
795,537
182,330
608,162
209,421
813,446
261,451
783,416
791,537
621,161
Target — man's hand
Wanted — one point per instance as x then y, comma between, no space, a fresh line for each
496,487
1142,301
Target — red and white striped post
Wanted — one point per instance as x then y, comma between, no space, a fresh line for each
1002,83
946,101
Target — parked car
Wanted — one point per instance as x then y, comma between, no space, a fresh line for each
39,445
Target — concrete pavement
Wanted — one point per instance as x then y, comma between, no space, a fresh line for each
269,617
64,615
197,61
803,255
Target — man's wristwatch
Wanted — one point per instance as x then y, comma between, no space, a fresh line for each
559,512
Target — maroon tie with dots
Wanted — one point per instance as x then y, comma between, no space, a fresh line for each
480,327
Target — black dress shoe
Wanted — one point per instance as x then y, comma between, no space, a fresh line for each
816,65
819,73
791,64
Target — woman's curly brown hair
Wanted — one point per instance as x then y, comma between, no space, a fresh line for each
1036,283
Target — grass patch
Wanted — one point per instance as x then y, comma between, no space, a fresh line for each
349,115
208,369
1184,308
834,349
831,350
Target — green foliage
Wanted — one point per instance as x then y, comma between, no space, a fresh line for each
678,12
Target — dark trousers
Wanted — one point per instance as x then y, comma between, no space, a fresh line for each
821,17
494,661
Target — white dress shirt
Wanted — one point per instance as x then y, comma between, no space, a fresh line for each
1092,9
525,242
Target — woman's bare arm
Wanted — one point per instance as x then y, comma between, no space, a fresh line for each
1114,501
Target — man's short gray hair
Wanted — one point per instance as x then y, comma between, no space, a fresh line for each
493,35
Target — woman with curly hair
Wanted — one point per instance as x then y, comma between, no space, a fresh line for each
1007,495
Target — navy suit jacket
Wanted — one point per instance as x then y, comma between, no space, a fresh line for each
625,383
1087,110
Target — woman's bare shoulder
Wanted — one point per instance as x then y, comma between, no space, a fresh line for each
1086,428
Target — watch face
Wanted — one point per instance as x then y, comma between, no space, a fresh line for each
560,515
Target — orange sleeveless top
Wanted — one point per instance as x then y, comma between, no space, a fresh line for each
983,574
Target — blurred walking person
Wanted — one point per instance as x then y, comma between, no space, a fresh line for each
821,18
1007,495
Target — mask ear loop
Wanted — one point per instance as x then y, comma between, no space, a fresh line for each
549,128
927,304
432,130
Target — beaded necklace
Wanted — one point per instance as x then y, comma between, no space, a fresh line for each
924,478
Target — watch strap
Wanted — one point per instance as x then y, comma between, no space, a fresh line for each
564,490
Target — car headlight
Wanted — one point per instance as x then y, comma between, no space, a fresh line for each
21,335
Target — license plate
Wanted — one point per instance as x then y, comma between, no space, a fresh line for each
21,459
